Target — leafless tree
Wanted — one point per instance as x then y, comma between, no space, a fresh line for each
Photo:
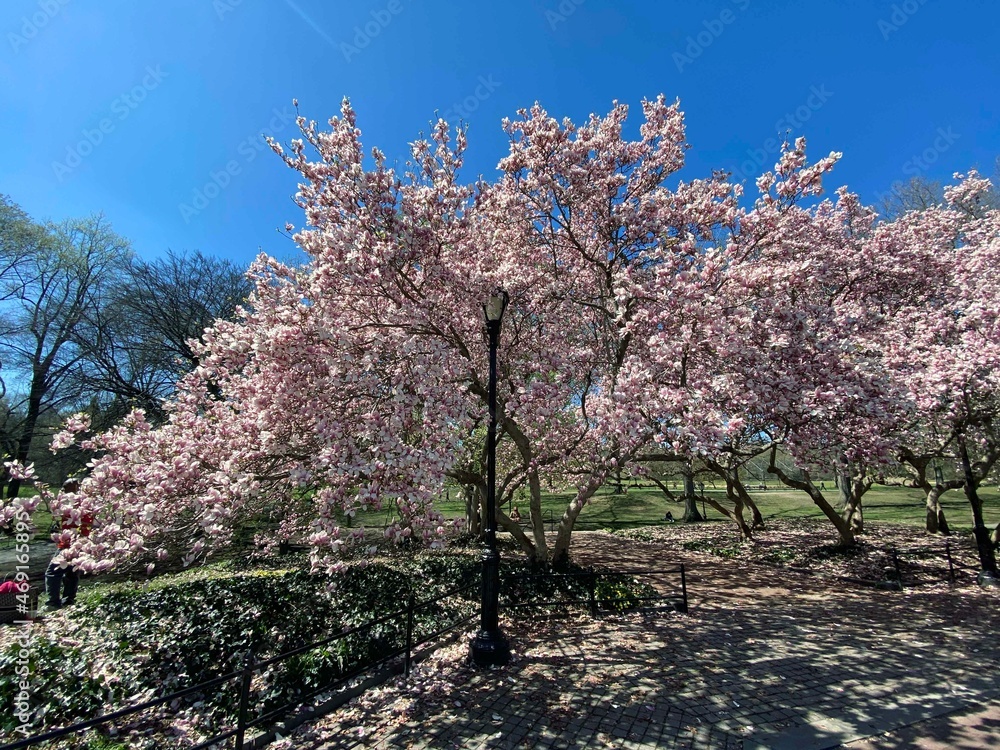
59,275
137,343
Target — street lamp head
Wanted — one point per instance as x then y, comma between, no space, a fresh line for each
495,306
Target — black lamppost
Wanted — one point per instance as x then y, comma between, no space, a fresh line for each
490,646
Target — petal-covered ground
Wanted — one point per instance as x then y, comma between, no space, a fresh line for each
767,657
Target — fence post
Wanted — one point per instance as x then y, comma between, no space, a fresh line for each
241,721
684,592
951,566
409,635
591,590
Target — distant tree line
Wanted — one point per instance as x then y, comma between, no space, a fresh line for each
88,326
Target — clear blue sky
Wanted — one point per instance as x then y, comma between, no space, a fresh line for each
176,91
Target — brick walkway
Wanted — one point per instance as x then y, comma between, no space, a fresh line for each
761,661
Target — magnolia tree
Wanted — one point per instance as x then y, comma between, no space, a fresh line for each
647,318
358,380
944,345
776,359
830,397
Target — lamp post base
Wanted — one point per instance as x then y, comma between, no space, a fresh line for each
489,649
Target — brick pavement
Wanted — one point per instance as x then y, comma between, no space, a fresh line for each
762,661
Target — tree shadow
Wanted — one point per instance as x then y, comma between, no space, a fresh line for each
765,658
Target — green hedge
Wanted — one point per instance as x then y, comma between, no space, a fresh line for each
124,643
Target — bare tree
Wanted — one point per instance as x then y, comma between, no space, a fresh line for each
917,194
48,293
921,193
20,238
137,344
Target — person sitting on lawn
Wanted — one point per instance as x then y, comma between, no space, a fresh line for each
669,518
515,515
58,571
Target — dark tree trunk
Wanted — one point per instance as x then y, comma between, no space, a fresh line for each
30,421
851,490
758,519
473,521
987,557
691,514
737,493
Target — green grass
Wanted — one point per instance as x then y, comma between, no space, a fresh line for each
882,504
647,505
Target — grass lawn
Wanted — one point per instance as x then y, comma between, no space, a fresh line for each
645,506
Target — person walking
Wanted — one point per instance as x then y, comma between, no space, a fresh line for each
61,578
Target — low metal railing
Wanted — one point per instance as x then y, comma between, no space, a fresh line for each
411,638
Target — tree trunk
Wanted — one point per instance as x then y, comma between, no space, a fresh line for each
758,519
737,493
735,484
514,529
30,421
691,514
847,538
740,496
541,547
843,484
473,521
851,490
689,481
853,512
987,557
560,550
935,522
746,533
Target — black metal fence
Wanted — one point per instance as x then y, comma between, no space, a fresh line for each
399,637
922,565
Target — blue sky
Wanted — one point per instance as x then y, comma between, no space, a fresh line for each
138,108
